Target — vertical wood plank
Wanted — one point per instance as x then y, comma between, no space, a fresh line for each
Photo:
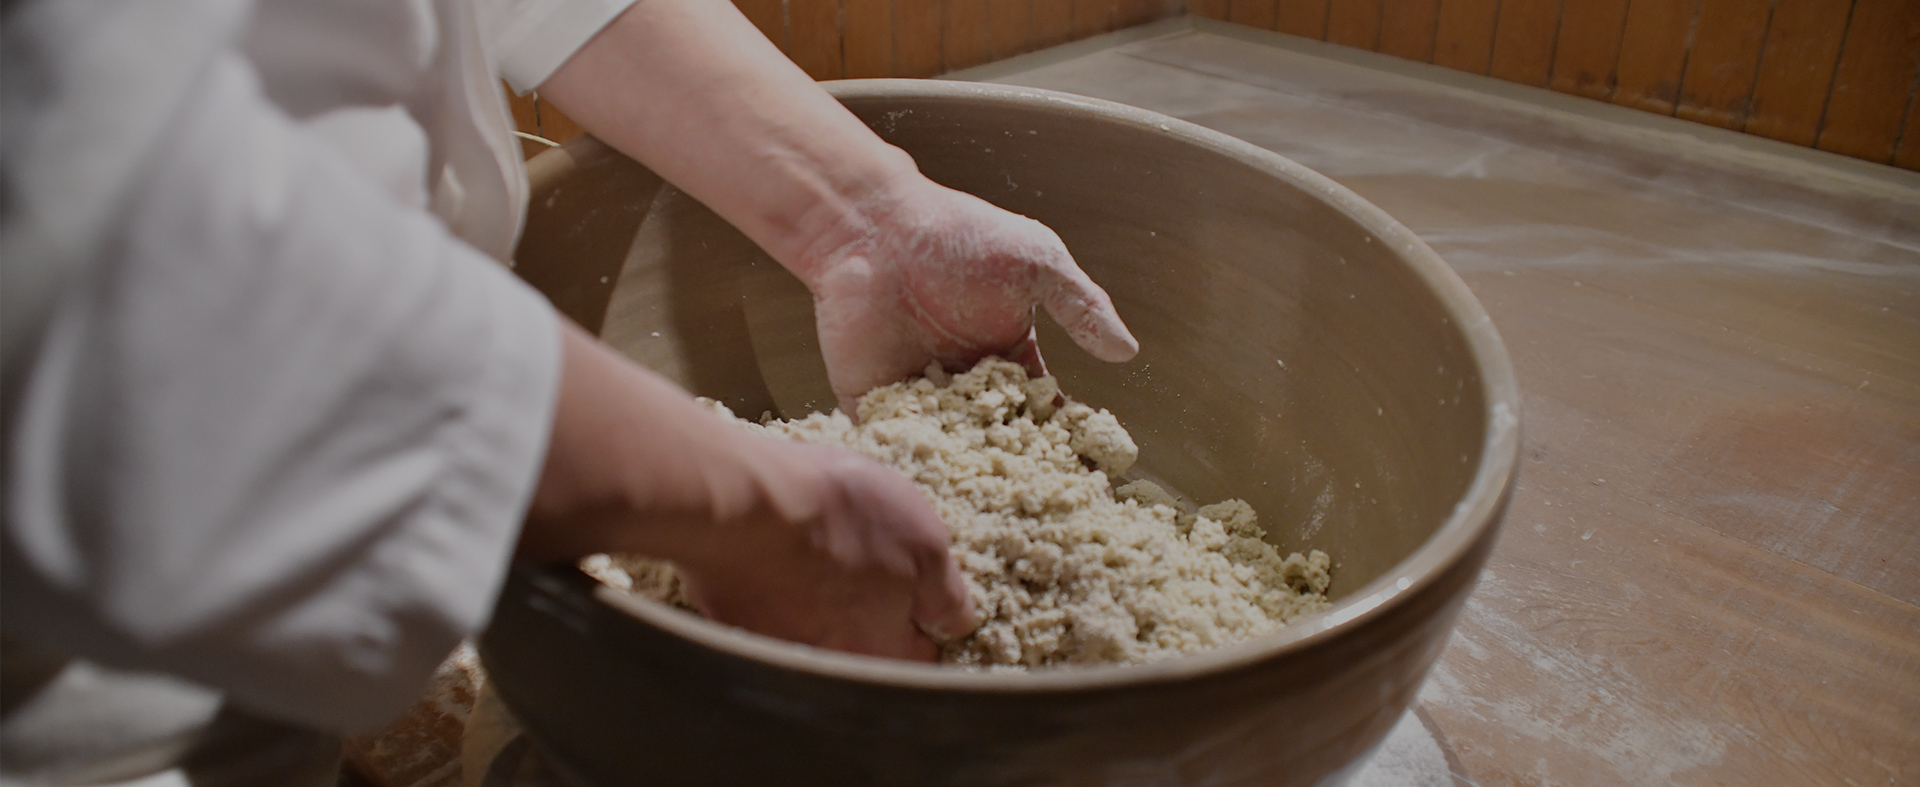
1406,29
1354,23
963,34
1138,12
1463,38
1908,156
813,32
1873,83
1796,69
1053,22
867,38
1208,9
1726,57
1011,25
1588,47
916,38
1653,54
1307,18
1523,41
768,15
1263,14
1090,18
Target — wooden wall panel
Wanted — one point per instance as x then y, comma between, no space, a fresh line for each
1523,41
1011,27
1841,75
1354,23
1588,47
1140,12
1090,17
866,38
1796,70
768,15
1874,81
1053,22
1407,29
813,37
1908,156
1208,9
1653,54
1725,61
1463,40
916,38
1263,14
964,34
1303,18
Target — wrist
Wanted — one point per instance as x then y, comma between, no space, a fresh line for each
850,211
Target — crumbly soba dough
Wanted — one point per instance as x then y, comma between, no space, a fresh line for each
1063,568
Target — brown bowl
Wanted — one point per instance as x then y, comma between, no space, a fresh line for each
1299,349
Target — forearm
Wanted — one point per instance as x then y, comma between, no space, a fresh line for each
633,465
691,89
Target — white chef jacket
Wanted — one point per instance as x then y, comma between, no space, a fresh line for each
273,408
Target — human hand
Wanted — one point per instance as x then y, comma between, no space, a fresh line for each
846,555
812,544
941,275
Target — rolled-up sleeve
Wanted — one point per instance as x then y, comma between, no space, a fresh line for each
530,39
280,436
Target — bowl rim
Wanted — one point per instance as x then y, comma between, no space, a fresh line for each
1473,516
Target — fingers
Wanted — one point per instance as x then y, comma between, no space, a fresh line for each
1086,312
942,607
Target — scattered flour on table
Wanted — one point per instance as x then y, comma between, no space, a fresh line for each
1063,568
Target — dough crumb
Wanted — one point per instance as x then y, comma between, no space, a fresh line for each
1063,568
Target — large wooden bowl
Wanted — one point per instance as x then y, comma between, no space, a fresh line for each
1300,350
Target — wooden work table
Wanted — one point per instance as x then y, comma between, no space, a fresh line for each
1711,569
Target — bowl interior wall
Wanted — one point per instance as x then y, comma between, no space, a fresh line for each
1289,356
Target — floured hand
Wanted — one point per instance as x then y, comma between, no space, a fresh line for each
942,276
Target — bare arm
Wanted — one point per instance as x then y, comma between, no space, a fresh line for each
904,271
691,89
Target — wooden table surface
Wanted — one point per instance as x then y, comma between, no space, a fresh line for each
1710,573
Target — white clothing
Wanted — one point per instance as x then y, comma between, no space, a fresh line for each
273,412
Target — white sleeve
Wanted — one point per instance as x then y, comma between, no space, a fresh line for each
279,437
530,39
